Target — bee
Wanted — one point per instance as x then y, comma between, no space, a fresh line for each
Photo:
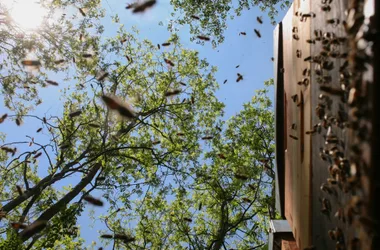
247,200
165,44
242,33
259,20
204,38
187,219
33,63
106,236
225,81
218,128
295,30
340,215
75,113
102,76
59,61
93,201
124,238
18,225
172,92
122,41
3,117
82,11
293,137
222,156
320,111
180,134
44,119
294,126
128,58
200,206
305,16
306,72
296,37
327,65
310,132
241,177
272,58
325,188
138,8
167,61
207,137
86,55
333,21
123,108
195,17
158,46
294,98
239,77
299,53
326,8
52,82
308,59
332,181
257,32
34,228
19,190
37,155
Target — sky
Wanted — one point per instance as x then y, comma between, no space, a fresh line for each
253,54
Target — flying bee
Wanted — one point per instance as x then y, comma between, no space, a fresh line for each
123,109
19,190
259,20
294,126
106,236
18,121
93,201
239,77
52,82
102,76
167,61
3,117
187,219
247,200
122,41
59,61
172,92
293,137
87,55
37,155
33,63
166,44
225,81
207,137
243,33
82,11
222,156
75,113
18,225
138,8
272,59
241,177
200,206
204,38
257,32
195,17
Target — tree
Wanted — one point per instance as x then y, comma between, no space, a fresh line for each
54,47
209,17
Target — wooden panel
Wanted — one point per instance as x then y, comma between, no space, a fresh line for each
298,117
321,223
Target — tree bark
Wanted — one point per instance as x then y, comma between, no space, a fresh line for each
54,209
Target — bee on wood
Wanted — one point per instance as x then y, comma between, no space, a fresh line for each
122,41
239,77
3,117
204,38
294,126
294,98
167,61
123,108
298,53
257,32
195,17
295,30
326,8
293,137
138,8
333,21
82,11
242,33
75,113
311,41
172,92
165,44
259,20
93,201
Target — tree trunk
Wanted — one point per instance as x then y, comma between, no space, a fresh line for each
54,209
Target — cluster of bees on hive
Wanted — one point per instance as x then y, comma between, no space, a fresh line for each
344,112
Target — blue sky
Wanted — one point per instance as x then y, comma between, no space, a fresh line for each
253,54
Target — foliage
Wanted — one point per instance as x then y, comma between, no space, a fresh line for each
211,16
